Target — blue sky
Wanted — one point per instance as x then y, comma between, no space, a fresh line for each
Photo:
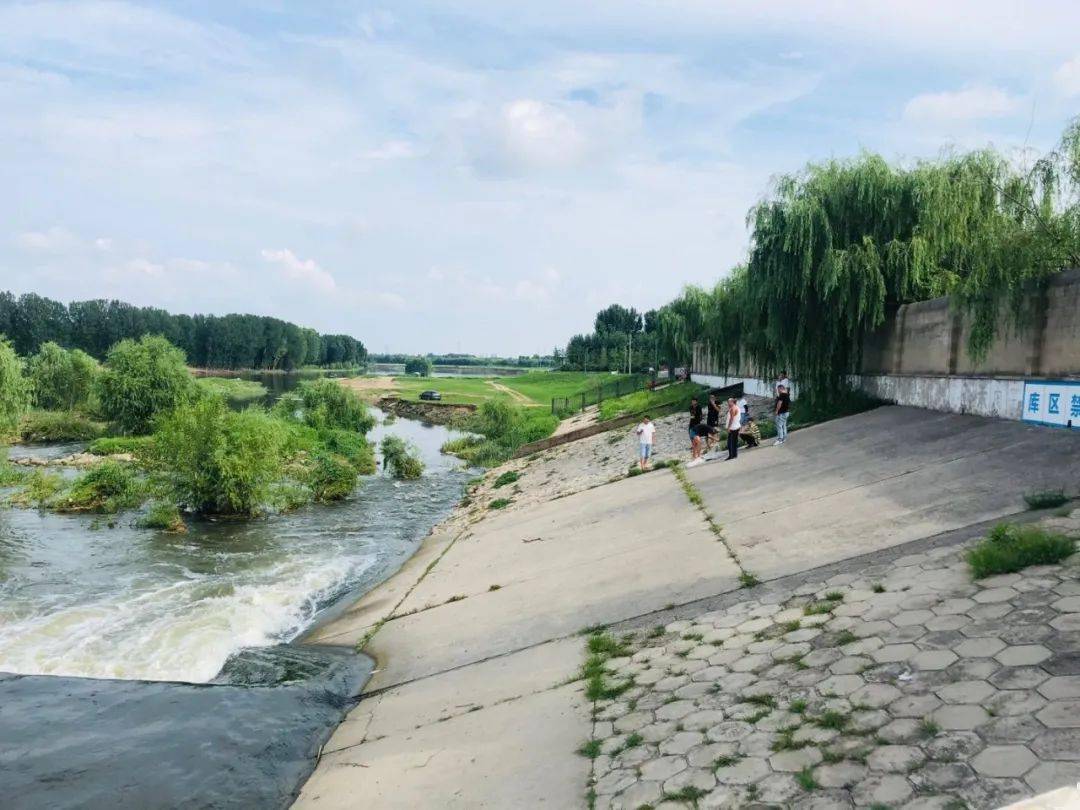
475,176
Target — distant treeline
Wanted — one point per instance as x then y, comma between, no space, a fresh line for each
209,341
523,361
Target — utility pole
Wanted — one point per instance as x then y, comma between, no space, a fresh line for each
629,352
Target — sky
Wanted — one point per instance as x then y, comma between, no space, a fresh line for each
479,176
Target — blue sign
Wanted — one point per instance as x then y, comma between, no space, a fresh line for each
1052,403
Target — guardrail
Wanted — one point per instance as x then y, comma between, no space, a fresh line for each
594,395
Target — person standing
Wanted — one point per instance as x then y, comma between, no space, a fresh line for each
744,407
782,382
712,420
695,418
645,433
781,409
734,422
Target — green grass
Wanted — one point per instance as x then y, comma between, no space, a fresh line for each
590,749
643,401
832,719
508,477
58,426
689,795
233,389
164,517
748,580
928,728
500,503
797,706
454,390
111,445
806,779
815,608
542,386
1045,499
877,587
109,487
845,637
1010,548
38,489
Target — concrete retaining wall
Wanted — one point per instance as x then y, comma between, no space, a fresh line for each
919,356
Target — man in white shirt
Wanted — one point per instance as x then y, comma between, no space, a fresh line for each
734,422
645,431
782,382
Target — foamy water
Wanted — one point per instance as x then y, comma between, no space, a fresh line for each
79,599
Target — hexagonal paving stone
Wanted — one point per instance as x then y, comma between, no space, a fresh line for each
952,607
868,720
1019,678
1023,655
840,774
901,730
932,659
730,731
850,665
954,745
676,710
1061,687
966,692
895,758
681,742
1058,743
884,789
1070,604
914,706
840,685
993,595
639,794
700,778
779,788
796,760
952,622
1066,623
1004,760
1019,729
961,717
908,618
743,772
875,695
1051,775
1060,714
894,652
983,647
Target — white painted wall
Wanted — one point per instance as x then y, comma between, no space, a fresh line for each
983,396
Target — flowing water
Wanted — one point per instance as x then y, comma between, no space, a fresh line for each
85,599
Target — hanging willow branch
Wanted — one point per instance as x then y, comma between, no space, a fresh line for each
836,245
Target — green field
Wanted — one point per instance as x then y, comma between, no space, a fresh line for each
534,389
662,399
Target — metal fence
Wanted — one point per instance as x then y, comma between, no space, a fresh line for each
594,395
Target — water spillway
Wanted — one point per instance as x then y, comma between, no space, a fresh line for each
140,663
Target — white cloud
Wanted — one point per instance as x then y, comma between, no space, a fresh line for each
970,104
305,270
1067,77
52,240
526,135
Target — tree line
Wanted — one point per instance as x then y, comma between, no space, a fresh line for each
234,341
622,339
834,248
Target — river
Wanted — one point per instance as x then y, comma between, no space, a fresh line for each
85,599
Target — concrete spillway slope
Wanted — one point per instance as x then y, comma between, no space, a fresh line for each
476,637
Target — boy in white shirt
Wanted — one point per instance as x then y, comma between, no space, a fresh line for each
645,431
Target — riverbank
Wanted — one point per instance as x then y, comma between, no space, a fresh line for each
475,700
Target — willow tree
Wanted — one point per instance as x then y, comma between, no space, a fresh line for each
836,245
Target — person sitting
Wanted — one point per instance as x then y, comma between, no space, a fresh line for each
751,433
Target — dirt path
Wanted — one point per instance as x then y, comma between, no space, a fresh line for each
517,396
370,387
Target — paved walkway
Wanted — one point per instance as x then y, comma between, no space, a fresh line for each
474,703
904,685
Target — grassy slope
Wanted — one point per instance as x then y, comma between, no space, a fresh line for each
538,386
678,393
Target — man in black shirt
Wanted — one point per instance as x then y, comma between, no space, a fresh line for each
695,417
712,419
781,409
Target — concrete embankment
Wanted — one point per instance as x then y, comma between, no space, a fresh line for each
473,703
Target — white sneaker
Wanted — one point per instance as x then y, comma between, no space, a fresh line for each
697,462
778,442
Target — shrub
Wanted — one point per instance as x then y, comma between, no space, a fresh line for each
38,489
1047,499
505,428
163,516
508,477
10,474
331,477
142,380
418,365
114,445
232,389
399,459
1009,548
220,461
61,380
324,404
352,446
58,426
108,487
14,390
500,503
